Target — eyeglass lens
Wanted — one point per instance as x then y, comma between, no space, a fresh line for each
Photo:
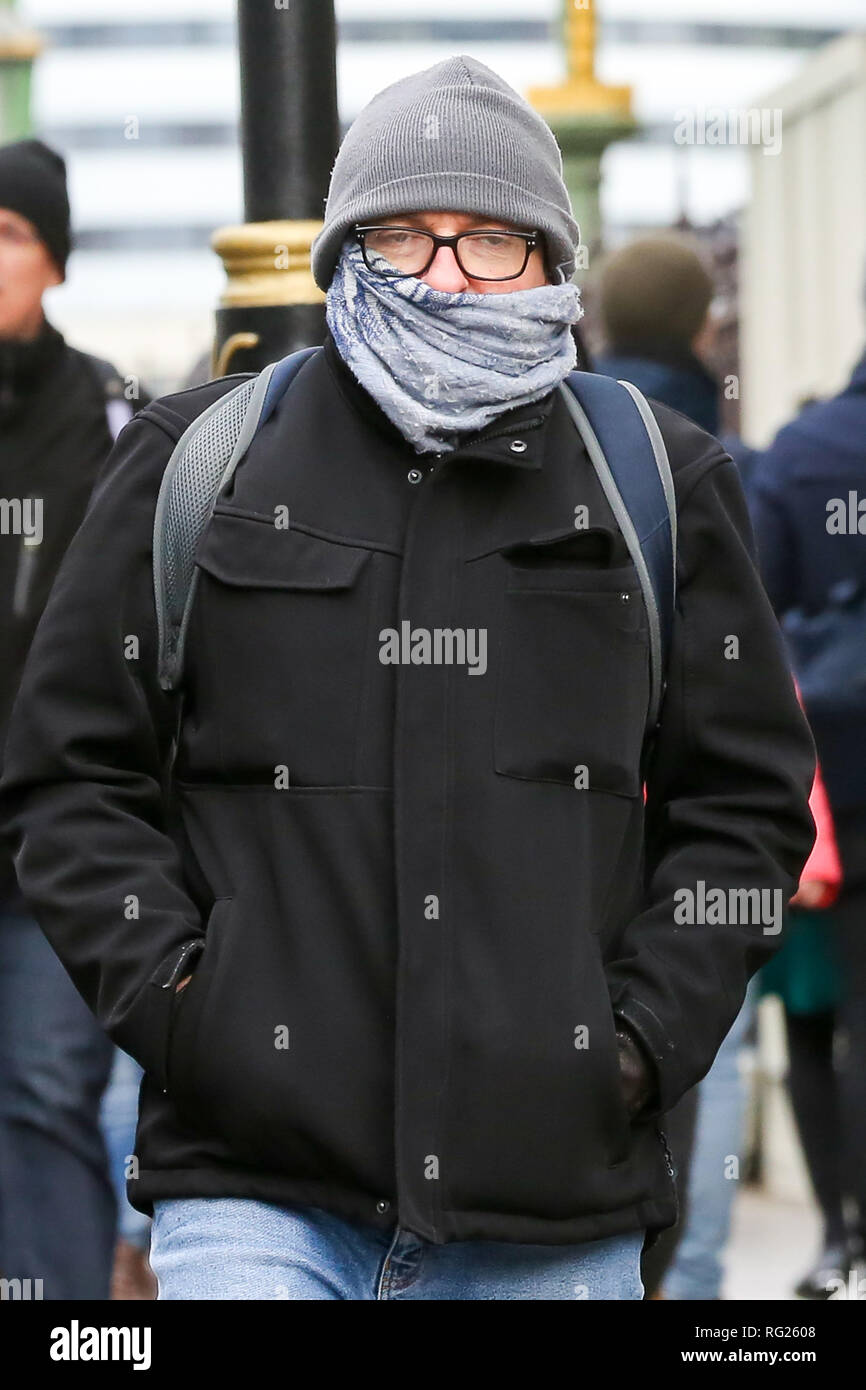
491,255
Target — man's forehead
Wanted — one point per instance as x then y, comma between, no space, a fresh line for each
16,218
428,216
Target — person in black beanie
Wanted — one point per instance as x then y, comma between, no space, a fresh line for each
59,411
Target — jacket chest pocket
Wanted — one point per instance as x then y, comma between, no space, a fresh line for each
283,625
573,684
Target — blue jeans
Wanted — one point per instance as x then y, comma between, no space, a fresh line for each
236,1248
58,1211
696,1272
118,1119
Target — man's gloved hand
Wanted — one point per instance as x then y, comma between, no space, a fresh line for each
636,1070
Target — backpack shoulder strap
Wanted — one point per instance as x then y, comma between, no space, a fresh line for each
626,448
200,467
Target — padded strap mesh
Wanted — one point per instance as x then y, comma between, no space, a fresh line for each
191,482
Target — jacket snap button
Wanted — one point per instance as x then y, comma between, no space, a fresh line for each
382,1205
414,475
518,446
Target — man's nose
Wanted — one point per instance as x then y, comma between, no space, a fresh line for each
444,273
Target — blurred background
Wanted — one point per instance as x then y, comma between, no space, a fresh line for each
143,101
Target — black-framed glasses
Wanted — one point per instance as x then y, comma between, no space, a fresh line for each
480,254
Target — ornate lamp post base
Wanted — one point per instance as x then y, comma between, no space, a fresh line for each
268,269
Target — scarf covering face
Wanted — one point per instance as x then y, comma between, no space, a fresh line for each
441,365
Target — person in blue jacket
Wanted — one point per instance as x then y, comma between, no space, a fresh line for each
807,496
654,298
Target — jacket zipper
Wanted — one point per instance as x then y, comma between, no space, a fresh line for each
411,526
186,952
669,1162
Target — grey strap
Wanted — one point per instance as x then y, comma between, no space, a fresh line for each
200,467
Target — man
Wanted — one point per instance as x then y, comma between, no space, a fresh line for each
654,298
57,405
372,946
807,509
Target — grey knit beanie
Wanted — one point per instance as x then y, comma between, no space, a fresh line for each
454,138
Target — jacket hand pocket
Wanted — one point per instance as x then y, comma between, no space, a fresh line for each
611,1099
573,682
186,1006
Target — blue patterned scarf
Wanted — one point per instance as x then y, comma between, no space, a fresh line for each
441,365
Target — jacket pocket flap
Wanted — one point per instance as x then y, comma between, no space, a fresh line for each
253,553
595,546
572,578
578,560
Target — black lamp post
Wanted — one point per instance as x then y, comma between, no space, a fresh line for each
289,138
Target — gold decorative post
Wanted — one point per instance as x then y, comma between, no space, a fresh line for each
267,266
19,47
586,115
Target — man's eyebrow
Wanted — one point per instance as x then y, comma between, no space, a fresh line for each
476,220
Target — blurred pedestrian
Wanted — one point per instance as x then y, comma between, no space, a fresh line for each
409,1003
800,975
654,297
809,508
59,411
806,976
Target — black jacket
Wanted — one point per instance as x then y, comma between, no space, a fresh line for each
54,438
416,930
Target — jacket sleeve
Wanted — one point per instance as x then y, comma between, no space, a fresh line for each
727,793
82,793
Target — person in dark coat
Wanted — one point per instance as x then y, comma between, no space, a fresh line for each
60,410
654,297
808,505
409,995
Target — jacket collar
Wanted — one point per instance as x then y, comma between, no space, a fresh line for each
493,443
24,366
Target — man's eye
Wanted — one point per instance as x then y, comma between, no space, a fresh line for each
494,242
